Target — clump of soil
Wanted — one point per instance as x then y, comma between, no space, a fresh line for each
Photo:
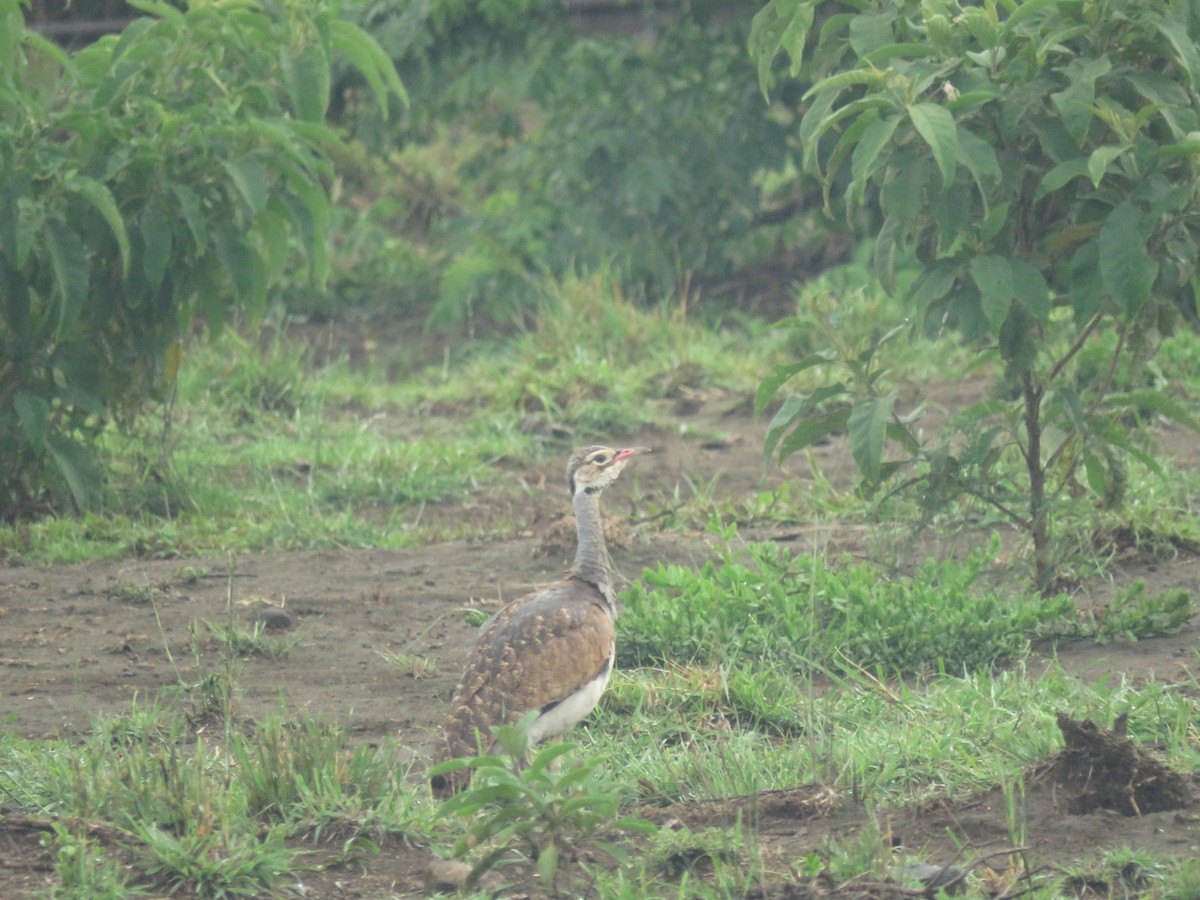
1103,769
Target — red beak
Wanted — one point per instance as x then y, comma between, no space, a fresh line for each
630,451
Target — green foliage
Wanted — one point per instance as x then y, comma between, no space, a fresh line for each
1133,614
305,773
82,868
803,615
531,806
1036,161
573,148
208,817
151,178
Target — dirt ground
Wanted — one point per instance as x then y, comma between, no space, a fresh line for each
78,640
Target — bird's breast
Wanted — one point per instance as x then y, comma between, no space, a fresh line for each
564,715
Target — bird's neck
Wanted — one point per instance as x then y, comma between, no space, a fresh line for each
591,554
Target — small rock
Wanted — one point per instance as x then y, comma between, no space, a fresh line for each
273,618
446,874
930,876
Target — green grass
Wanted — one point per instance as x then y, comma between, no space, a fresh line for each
757,670
805,613
223,812
262,449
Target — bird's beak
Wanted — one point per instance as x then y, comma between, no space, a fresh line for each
630,451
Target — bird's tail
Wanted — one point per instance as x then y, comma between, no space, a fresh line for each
464,735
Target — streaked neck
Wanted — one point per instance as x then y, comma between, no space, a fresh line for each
591,554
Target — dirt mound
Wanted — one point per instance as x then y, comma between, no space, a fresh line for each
1102,769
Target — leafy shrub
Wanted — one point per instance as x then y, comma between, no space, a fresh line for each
521,800
1036,160
798,613
150,178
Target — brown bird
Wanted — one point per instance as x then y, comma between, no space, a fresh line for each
550,651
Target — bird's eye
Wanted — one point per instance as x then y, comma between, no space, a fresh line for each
602,459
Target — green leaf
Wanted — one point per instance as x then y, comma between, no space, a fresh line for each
77,465
33,413
1189,146
547,863
1099,161
311,215
794,407
1026,10
156,244
978,157
836,83
238,260
101,198
1096,474
901,194
1061,174
768,387
68,261
869,417
249,176
808,431
1030,287
1158,403
1185,48
306,76
876,136
158,10
993,275
871,32
933,284
1126,269
371,61
781,25
936,126
193,214
1075,102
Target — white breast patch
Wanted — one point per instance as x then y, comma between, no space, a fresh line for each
571,711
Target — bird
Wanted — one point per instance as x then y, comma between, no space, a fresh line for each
550,651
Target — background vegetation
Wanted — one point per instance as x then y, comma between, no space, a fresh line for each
567,231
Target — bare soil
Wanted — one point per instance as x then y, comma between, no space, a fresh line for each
84,639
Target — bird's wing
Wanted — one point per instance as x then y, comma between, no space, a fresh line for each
532,654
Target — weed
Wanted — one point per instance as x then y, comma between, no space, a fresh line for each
1014,811
208,864
1184,882
135,593
409,664
1132,614
257,640
306,774
191,574
532,807
83,870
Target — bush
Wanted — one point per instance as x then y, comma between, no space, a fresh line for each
1036,161
151,178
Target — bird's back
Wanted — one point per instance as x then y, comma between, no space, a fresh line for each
550,649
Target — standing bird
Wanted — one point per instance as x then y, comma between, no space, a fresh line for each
550,651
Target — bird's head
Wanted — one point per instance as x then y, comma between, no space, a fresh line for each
592,469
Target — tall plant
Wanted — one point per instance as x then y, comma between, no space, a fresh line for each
153,177
1039,161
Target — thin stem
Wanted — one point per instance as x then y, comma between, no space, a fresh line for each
1038,526
1076,346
